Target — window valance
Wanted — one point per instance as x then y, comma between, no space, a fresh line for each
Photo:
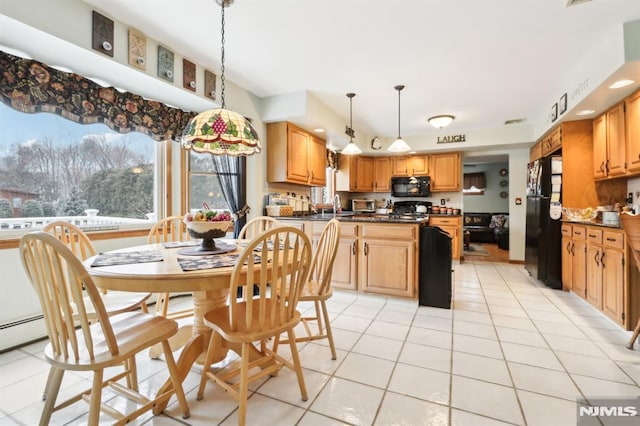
476,180
31,86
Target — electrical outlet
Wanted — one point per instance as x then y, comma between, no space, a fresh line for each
443,201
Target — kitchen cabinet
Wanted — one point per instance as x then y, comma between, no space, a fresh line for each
445,172
551,142
382,174
414,165
453,227
567,258
632,123
574,258
345,267
535,152
388,259
355,174
614,279
609,143
595,258
294,155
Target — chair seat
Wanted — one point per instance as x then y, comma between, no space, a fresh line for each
117,302
218,320
311,292
134,331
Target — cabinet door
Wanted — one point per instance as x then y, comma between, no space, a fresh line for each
388,267
364,174
420,165
594,275
600,146
345,267
616,141
400,166
579,270
297,155
613,285
445,172
382,174
317,161
567,262
632,123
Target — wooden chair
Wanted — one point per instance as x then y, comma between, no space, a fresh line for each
116,302
318,287
258,318
631,227
169,229
256,226
67,293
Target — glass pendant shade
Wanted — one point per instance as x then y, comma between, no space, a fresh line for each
399,145
221,132
440,121
351,149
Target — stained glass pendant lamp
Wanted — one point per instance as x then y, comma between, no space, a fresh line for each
221,131
399,145
351,148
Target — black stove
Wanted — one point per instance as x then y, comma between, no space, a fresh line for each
407,209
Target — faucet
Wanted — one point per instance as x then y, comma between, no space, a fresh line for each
337,205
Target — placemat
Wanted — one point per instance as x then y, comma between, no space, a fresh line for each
259,246
210,262
127,257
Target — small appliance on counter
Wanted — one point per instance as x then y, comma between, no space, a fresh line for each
363,205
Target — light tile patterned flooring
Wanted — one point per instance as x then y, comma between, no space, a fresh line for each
511,352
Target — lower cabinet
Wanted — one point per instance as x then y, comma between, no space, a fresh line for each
453,227
345,267
597,269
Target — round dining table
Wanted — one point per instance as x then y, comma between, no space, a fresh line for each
210,289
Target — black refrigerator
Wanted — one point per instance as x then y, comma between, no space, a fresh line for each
543,257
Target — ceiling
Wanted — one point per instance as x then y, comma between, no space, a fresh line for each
483,61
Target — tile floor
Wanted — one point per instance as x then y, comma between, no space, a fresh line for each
511,352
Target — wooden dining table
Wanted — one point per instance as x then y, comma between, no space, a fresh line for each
210,288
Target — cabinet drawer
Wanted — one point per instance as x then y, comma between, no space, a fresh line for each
594,235
579,232
613,239
443,221
395,232
565,230
348,229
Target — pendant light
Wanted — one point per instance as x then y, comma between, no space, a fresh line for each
351,148
221,131
399,145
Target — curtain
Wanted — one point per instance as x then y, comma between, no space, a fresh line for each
31,86
231,172
474,179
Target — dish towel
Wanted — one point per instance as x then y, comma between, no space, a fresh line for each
210,262
127,257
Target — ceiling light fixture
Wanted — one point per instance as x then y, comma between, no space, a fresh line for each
221,131
399,145
621,83
440,121
351,148
585,112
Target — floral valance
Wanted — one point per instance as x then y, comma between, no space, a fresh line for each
31,86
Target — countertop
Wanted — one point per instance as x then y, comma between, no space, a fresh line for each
594,223
364,217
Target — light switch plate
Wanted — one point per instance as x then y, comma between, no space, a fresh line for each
165,63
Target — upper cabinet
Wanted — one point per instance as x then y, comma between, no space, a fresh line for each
355,173
294,155
632,111
415,165
445,172
609,143
551,142
382,174
535,152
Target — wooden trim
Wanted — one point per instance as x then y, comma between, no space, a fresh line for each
11,243
516,262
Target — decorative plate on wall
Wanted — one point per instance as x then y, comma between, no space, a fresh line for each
504,172
504,194
504,183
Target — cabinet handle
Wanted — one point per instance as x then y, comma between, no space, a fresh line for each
366,249
573,246
353,248
592,235
595,258
602,260
602,167
569,247
611,239
577,232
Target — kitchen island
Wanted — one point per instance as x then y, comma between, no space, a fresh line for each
377,253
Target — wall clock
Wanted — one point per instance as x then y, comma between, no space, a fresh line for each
375,143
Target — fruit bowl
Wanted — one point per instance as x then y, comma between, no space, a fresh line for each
207,229
580,215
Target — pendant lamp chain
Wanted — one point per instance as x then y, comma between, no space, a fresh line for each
399,89
222,57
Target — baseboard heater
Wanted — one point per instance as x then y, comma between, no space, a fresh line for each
20,322
22,332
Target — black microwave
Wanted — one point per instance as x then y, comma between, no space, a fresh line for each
414,186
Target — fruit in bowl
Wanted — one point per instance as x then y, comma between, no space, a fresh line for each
207,223
586,214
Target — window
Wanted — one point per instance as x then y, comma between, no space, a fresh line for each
204,185
54,167
474,184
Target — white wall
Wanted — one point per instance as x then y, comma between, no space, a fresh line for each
490,201
518,160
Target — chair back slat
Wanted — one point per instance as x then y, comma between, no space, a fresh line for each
72,237
257,226
61,283
631,227
325,256
284,264
169,229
